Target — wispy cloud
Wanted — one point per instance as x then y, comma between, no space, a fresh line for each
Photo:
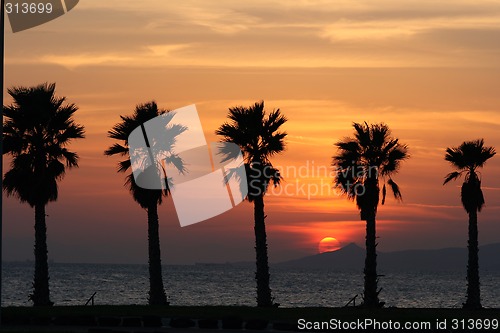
269,34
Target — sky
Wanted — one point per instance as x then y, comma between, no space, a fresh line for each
430,70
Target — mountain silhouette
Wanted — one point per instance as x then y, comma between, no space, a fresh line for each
351,257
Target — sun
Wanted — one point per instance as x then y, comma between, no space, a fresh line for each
328,244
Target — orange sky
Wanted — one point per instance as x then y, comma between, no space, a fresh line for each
430,71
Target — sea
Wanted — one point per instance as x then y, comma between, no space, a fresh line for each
226,284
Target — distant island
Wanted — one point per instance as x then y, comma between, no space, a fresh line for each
351,257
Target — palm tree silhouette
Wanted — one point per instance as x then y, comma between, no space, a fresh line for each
467,158
359,165
148,199
37,130
259,137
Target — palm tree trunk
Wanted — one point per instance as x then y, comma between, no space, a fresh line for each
41,293
156,290
473,289
264,298
370,295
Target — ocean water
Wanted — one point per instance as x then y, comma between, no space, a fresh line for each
73,284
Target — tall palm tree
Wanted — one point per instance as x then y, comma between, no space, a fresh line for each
38,127
260,138
467,158
148,199
361,162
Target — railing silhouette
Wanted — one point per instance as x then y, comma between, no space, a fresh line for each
352,300
91,299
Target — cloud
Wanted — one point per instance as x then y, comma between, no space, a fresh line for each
345,30
266,34
166,50
221,16
153,55
77,60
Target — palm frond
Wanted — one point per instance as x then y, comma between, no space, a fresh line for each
71,158
391,161
379,136
177,162
38,126
346,180
469,155
259,137
162,148
395,189
274,121
71,132
384,192
451,176
116,149
362,134
362,159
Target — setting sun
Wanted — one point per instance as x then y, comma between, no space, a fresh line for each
328,244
